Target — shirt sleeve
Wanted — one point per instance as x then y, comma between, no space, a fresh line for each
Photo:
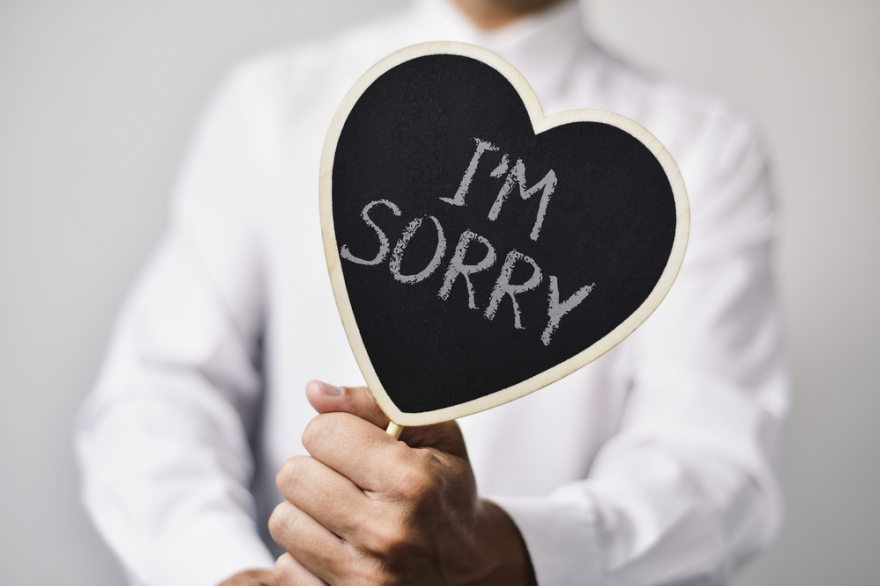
686,491
163,438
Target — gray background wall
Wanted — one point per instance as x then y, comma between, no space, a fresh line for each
97,98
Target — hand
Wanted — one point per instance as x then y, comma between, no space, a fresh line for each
251,578
368,509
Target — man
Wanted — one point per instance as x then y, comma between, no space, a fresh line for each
653,465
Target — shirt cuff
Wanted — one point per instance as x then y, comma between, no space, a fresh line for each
560,535
211,551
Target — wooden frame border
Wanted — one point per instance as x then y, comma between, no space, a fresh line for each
540,123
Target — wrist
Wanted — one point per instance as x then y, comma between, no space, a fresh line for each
507,556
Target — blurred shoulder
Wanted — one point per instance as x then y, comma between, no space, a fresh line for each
683,117
717,148
318,70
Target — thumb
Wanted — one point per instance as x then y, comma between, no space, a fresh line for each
359,401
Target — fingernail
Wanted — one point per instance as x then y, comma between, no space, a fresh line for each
330,390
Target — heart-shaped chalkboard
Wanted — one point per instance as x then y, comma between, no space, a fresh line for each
478,250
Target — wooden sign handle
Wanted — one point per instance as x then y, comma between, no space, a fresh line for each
394,430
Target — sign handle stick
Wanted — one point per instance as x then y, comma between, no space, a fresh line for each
394,430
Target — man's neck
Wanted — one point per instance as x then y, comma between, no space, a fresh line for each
494,14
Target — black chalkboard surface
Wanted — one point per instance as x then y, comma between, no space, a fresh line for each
479,250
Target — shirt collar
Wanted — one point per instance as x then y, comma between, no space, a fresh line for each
542,47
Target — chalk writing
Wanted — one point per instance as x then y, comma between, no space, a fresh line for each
503,286
383,240
457,266
555,309
397,255
482,147
514,176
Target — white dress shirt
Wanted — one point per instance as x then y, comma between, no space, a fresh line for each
652,465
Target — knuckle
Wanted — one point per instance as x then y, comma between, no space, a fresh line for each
283,572
353,564
290,474
414,484
319,429
278,522
419,480
359,566
311,431
428,459
389,541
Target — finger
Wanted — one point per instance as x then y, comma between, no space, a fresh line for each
358,450
327,398
311,544
444,437
251,578
289,572
326,496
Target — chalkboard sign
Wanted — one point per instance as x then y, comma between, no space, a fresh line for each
479,250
